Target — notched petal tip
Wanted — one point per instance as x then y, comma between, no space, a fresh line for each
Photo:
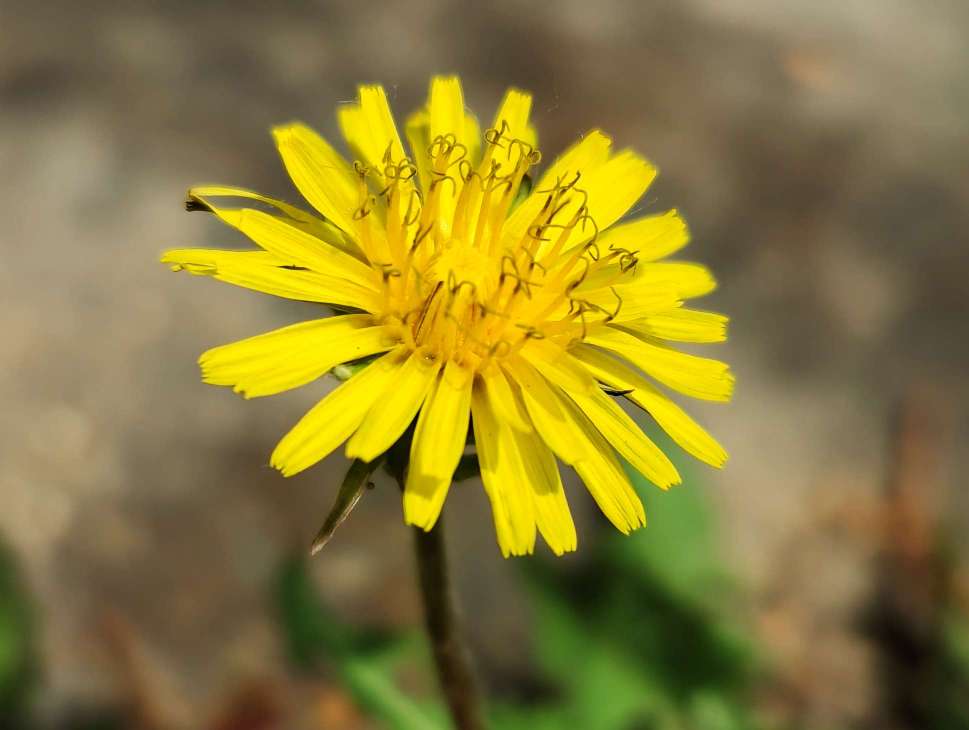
635,159
666,486
597,134
420,519
289,132
364,89
445,79
559,550
355,450
284,130
281,468
720,461
516,552
284,467
730,383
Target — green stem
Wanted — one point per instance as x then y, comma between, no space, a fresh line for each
451,654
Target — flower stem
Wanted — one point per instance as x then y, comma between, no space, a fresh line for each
451,654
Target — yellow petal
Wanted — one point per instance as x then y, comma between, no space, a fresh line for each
602,473
628,439
294,246
418,131
506,406
615,186
552,515
573,438
369,128
324,230
682,325
686,432
264,272
331,421
388,420
633,302
439,440
698,377
472,138
652,238
512,114
608,190
320,173
440,116
445,105
511,121
555,364
647,239
583,157
292,356
610,488
545,410
690,280
502,474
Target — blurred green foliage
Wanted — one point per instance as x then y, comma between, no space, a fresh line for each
947,691
364,663
633,646
18,655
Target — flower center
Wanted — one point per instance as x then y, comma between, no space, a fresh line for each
461,284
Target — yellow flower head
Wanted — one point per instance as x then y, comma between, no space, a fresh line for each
485,297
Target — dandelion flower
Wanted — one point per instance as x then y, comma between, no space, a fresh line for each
480,295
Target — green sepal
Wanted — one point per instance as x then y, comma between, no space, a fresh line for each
356,481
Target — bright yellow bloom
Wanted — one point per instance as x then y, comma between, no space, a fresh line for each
485,298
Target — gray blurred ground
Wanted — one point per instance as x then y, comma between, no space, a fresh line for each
819,150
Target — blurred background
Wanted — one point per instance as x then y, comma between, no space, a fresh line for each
151,571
